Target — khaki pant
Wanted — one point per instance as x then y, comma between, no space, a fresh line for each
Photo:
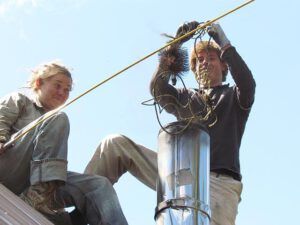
117,154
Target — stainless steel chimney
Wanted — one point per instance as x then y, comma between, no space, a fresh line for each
183,181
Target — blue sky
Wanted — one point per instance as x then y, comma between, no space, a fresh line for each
98,38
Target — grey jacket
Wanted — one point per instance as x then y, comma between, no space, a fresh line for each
16,111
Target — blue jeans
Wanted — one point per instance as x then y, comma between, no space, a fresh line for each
94,197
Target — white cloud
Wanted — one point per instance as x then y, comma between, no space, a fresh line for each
14,12
3,8
22,3
7,6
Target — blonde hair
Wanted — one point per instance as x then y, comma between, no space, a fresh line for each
47,70
205,45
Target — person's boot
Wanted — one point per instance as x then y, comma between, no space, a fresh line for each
42,197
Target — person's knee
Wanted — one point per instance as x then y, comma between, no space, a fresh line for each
60,121
107,152
114,139
113,143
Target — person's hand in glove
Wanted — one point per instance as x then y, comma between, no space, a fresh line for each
185,28
217,33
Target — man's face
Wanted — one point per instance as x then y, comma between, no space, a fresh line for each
53,91
209,65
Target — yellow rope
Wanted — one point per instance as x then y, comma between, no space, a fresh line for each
51,113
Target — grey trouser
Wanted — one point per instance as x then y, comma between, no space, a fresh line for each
39,156
118,154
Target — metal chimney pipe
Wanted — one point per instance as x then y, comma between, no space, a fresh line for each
183,176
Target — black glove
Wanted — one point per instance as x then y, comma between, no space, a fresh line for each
185,28
217,33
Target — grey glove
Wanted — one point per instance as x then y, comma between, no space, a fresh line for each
185,28
217,33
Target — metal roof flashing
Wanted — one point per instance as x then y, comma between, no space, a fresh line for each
14,211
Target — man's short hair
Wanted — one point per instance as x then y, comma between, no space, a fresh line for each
205,45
